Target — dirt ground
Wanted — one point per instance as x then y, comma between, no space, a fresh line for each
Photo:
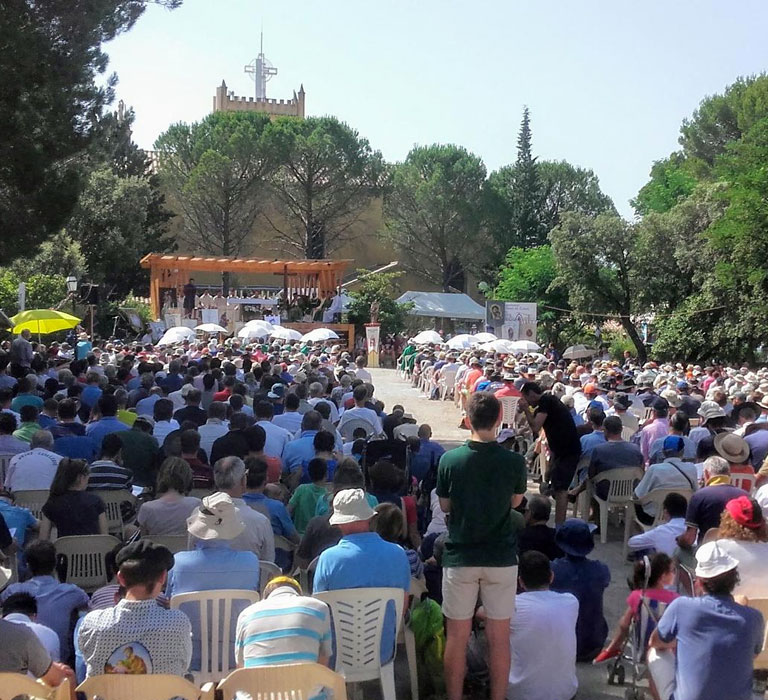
444,419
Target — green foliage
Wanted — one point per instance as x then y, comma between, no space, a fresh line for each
110,223
50,102
597,261
59,255
433,213
43,291
216,172
327,178
530,275
378,287
671,181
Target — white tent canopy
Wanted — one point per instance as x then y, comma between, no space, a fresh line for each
443,305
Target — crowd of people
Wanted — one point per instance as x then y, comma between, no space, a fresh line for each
284,453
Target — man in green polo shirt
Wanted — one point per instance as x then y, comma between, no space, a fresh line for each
478,485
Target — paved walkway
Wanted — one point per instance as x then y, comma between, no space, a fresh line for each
444,418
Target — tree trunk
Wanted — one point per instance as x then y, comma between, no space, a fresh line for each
634,336
315,249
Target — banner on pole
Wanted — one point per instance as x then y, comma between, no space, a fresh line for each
372,335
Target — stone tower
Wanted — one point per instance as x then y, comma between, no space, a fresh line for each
225,101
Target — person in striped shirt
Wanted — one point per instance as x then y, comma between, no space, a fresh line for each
284,627
108,472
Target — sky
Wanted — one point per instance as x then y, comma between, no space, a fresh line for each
608,82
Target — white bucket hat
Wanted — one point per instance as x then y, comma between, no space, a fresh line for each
216,519
350,506
713,561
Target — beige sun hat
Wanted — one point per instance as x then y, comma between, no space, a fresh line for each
672,397
351,506
216,519
732,448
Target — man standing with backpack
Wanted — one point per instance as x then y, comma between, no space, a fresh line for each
479,484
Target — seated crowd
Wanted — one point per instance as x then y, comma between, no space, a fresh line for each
283,460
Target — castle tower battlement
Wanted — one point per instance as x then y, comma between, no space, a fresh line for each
225,101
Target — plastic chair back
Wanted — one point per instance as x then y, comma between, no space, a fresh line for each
5,460
216,618
84,557
627,433
289,682
621,484
656,497
32,501
744,481
156,686
447,382
348,428
267,571
175,543
761,661
13,685
112,499
358,618
508,410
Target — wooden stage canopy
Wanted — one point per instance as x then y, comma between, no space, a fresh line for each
319,277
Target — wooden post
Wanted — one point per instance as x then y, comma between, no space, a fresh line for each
91,308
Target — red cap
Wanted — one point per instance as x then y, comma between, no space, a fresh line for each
745,512
590,388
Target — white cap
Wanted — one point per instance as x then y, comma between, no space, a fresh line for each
712,561
351,506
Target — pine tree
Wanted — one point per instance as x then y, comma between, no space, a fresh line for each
528,191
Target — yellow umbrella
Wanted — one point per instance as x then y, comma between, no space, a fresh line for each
42,321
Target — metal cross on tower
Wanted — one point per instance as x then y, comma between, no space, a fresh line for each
260,70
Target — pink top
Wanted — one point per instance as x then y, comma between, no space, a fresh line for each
660,594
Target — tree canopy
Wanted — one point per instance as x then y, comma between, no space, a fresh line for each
433,213
49,107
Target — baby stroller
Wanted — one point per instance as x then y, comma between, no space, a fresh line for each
636,647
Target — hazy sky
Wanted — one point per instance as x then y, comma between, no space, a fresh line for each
608,83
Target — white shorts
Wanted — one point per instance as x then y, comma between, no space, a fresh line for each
496,586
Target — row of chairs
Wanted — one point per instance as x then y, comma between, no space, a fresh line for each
296,682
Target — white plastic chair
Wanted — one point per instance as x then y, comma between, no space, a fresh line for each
744,481
175,543
621,489
85,557
348,428
627,433
267,571
216,628
509,410
156,686
287,682
656,497
447,382
112,498
13,685
32,501
5,460
358,618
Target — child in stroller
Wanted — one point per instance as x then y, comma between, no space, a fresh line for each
652,577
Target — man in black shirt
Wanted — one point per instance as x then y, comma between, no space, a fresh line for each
551,414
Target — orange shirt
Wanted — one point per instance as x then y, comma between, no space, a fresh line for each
508,390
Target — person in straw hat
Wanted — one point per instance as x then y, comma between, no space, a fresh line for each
703,647
362,559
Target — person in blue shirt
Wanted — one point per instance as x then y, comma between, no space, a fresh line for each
302,449
108,423
362,559
83,347
282,525
92,391
586,579
213,565
714,638
27,395
596,417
